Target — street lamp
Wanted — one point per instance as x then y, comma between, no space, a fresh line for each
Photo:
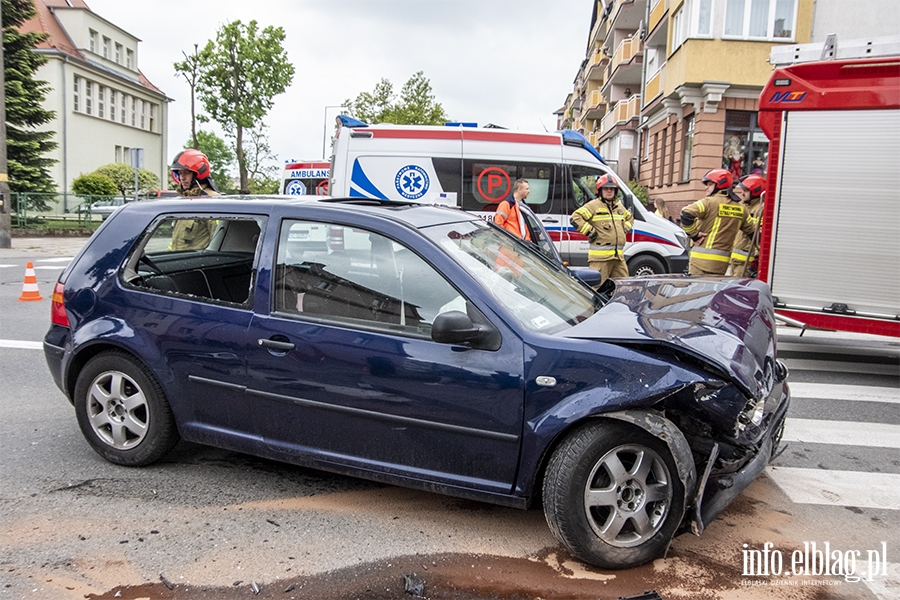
325,128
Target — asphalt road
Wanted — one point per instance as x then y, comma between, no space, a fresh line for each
217,524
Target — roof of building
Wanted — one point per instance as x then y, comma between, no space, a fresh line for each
46,22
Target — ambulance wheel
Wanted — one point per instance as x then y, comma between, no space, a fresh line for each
644,265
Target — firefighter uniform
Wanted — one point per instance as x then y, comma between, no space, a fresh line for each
744,249
721,218
605,225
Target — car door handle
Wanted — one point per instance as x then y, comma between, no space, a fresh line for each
276,345
549,220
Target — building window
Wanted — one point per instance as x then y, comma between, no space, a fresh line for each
678,29
106,42
760,19
143,114
88,97
122,111
701,18
92,41
118,54
129,58
101,104
118,154
152,117
687,148
112,105
133,110
745,149
75,94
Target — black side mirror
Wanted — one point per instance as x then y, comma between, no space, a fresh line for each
454,327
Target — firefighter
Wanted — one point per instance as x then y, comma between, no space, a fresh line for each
191,173
713,223
750,190
606,223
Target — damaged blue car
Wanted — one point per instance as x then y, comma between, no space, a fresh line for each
421,346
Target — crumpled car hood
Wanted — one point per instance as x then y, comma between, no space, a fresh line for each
729,323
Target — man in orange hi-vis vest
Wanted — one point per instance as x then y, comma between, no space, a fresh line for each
508,215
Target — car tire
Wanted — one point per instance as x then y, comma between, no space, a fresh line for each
645,265
636,498
122,410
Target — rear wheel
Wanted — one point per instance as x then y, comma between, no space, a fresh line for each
122,410
644,265
612,495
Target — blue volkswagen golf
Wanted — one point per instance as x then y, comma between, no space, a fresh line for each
421,346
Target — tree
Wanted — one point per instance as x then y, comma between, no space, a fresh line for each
261,169
240,74
190,70
415,107
122,175
94,184
221,158
26,146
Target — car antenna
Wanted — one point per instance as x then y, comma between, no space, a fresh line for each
542,125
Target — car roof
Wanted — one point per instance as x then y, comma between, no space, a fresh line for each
411,214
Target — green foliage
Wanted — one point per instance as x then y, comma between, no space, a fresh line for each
416,105
122,175
220,155
264,184
260,160
239,75
640,192
26,146
94,184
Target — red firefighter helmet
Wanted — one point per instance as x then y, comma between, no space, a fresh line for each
605,181
192,160
721,177
754,184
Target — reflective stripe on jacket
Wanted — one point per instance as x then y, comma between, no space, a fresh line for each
606,226
721,218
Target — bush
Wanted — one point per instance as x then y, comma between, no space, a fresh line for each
94,184
640,192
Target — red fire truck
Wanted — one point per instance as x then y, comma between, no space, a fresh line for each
830,238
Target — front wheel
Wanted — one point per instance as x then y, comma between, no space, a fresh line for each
612,495
645,265
122,410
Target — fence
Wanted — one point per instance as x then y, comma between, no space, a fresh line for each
30,208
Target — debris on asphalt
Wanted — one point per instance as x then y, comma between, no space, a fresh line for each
255,587
166,582
652,595
414,585
290,588
273,522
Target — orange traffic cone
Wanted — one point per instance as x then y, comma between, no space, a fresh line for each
30,292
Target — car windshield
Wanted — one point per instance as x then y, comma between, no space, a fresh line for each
540,296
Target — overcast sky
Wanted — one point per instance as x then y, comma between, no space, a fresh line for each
508,62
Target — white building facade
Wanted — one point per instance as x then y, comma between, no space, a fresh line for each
103,103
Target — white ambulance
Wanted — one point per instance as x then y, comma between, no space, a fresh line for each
307,177
474,168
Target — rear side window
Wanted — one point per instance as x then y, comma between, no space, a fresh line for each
485,183
204,258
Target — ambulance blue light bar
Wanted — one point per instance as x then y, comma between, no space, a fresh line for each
348,121
573,138
460,124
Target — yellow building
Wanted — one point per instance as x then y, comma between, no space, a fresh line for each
707,61
669,88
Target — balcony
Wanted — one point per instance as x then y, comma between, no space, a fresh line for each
654,86
595,105
626,14
657,13
626,63
596,68
623,112
593,138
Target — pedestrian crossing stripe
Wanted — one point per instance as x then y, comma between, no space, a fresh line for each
857,393
842,433
837,488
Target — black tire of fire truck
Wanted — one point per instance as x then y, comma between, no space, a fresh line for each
638,498
644,265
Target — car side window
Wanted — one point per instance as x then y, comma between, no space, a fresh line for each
358,276
486,182
205,258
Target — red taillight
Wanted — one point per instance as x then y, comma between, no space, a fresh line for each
58,306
